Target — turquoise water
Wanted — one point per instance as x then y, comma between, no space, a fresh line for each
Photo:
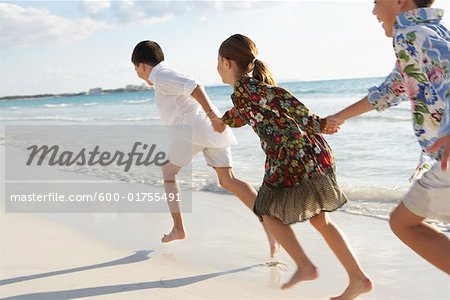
375,153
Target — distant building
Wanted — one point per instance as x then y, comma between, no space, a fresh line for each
133,87
96,91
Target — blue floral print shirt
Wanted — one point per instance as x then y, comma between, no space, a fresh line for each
421,75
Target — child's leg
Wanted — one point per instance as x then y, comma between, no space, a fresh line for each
286,237
247,194
425,240
359,282
170,187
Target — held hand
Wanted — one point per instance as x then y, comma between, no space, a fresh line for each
442,142
331,124
218,124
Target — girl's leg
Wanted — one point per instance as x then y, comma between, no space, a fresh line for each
286,237
431,244
359,282
170,187
247,194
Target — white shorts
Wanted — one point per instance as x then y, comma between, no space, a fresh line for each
429,197
182,153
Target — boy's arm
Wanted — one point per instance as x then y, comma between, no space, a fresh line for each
358,108
444,138
390,93
202,98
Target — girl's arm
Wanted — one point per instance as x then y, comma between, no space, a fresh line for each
233,119
308,121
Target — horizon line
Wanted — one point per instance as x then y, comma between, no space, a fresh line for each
286,80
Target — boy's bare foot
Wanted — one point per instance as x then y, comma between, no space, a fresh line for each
355,288
175,234
303,274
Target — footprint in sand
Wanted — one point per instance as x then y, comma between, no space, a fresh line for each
277,263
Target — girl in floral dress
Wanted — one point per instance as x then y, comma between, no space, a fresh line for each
299,182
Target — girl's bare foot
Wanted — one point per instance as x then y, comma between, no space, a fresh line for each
304,274
175,234
356,287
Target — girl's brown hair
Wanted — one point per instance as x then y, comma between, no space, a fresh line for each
243,51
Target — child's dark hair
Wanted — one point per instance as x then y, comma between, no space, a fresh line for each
147,52
243,51
423,3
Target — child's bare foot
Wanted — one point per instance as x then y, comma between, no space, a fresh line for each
356,287
303,274
175,234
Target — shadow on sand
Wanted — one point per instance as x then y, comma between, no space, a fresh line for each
138,256
113,289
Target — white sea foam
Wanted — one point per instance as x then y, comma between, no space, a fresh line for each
61,105
90,104
134,119
137,101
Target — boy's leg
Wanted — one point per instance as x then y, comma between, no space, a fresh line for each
358,282
181,153
170,187
428,198
425,240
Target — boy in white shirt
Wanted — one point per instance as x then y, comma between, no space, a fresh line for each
182,101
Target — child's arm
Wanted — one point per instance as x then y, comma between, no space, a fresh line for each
202,98
233,119
358,108
444,138
307,121
390,93
175,83
444,143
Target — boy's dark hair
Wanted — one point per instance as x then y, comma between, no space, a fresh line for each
423,3
147,52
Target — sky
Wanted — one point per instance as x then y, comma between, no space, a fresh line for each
62,46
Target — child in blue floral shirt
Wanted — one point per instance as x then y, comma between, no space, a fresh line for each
421,75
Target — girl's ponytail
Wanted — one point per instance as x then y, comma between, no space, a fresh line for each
262,72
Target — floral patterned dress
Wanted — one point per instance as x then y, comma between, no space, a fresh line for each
299,180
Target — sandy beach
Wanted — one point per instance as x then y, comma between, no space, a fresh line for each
120,256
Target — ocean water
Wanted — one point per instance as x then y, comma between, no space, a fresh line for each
375,153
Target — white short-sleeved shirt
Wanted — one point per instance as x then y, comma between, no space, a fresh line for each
178,108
